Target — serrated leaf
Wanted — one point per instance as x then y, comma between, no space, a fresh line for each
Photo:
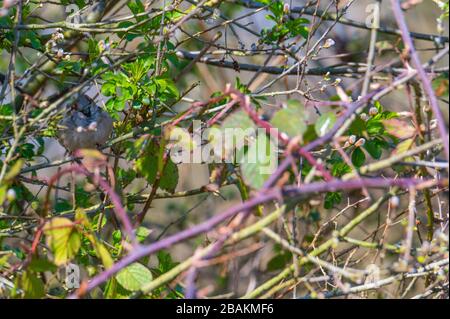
325,123
290,120
63,239
133,277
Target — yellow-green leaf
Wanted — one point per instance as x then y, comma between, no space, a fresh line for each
290,120
63,239
259,162
133,277
14,170
325,123
32,286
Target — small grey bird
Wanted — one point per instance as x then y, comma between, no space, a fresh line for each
86,125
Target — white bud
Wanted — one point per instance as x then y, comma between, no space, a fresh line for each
363,116
352,139
360,142
79,129
328,43
373,111
11,195
394,201
286,8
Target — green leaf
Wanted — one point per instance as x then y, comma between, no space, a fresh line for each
133,277
169,178
142,233
373,147
340,169
63,239
3,190
115,291
259,161
358,157
108,89
325,123
375,127
378,105
279,261
147,166
165,261
238,119
14,170
32,286
290,120
357,127
41,265
4,259
331,199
